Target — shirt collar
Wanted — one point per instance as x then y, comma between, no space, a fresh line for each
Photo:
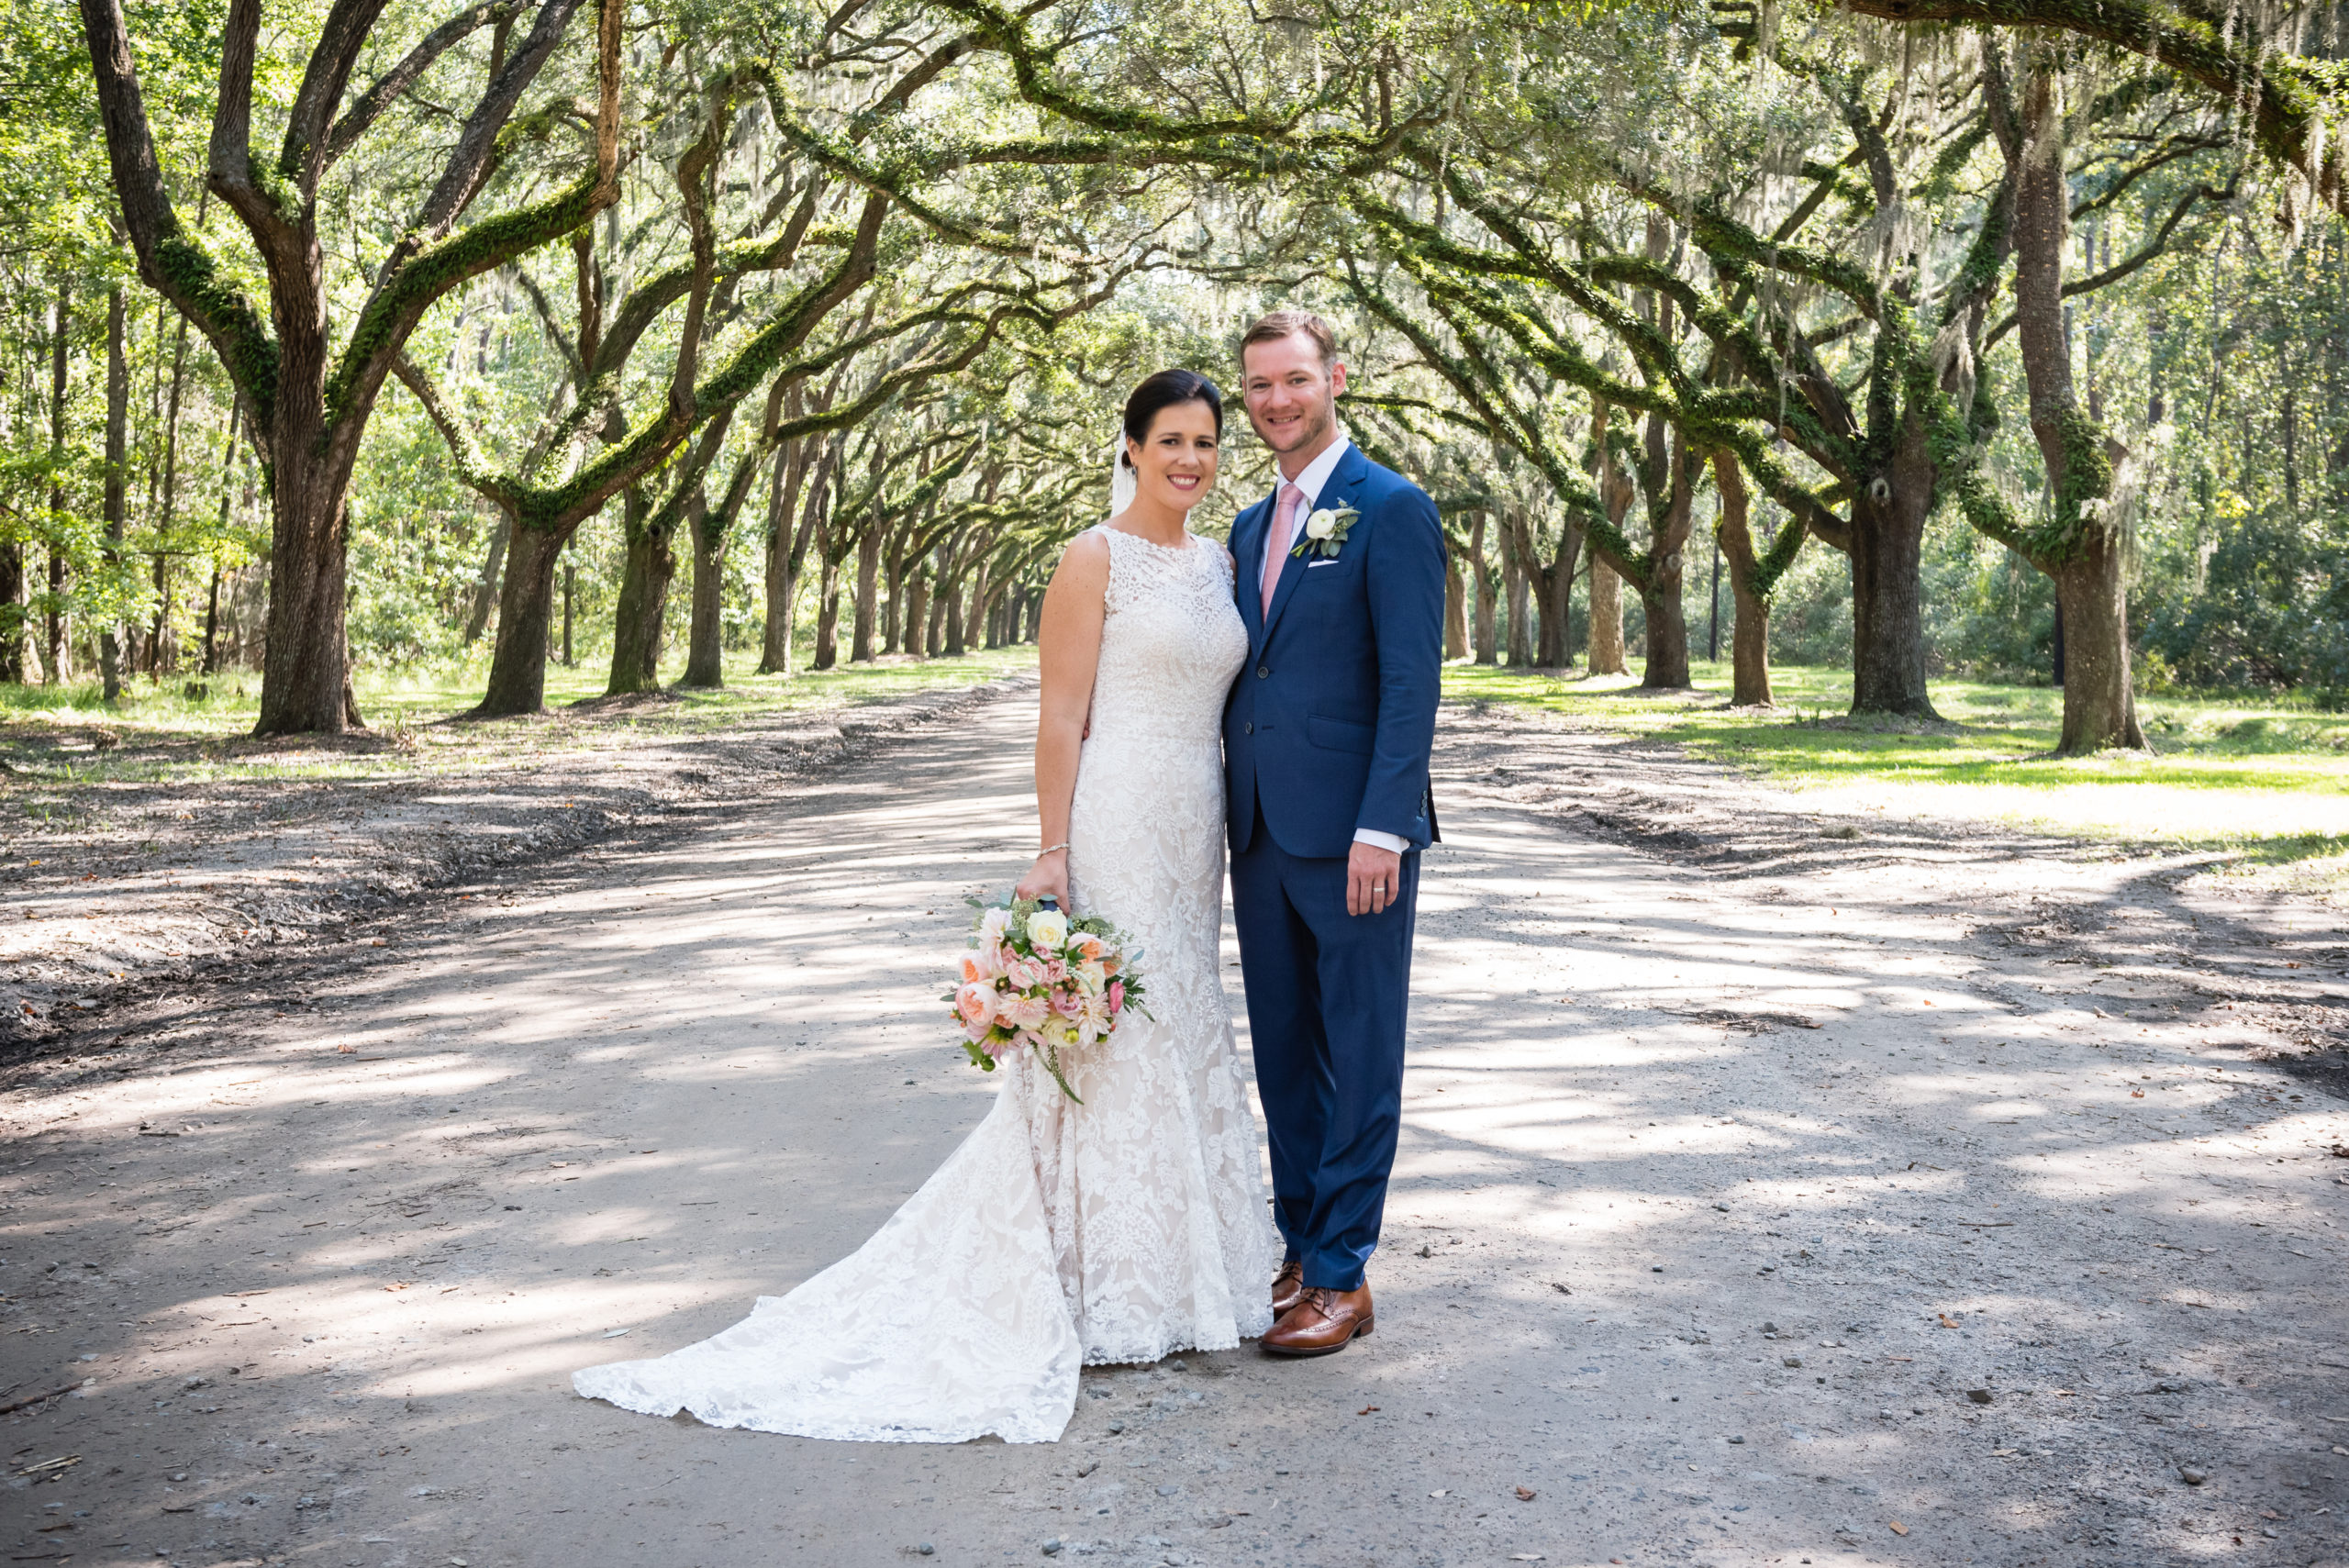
1316,477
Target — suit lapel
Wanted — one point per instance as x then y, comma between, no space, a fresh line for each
1248,532
1352,470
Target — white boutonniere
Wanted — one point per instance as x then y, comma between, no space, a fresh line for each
1326,530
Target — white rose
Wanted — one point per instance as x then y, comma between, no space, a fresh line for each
1321,524
1092,979
1047,930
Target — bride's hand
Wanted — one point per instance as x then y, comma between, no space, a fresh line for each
1047,878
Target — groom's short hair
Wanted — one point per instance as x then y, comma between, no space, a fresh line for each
1282,323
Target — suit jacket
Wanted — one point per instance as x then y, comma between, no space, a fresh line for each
1330,723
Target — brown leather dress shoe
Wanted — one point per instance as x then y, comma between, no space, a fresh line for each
1287,1285
1323,1322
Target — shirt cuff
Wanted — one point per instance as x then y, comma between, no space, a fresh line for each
1378,840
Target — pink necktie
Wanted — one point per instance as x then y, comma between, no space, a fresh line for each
1277,543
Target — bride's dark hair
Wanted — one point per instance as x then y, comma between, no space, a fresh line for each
1165,390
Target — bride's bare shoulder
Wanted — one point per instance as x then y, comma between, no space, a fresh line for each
1084,564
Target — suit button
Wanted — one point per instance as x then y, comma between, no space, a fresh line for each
1263,670
1247,730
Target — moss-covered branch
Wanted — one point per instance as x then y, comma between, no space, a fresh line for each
2298,108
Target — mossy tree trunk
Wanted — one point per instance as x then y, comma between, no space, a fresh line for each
1606,631
893,610
917,617
783,495
487,590
1669,477
2079,547
711,528
1750,640
782,599
1516,589
518,667
981,596
648,565
705,636
1487,621
1604,635
868,587
2099,699
1888,538
827,612
1555,650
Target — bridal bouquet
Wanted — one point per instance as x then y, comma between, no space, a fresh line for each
1037,977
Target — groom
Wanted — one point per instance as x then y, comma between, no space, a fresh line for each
1326,740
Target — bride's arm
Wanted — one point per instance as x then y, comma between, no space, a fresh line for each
1068,650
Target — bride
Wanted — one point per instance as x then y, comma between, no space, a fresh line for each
1129,1226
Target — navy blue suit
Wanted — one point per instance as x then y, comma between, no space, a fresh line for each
1328,729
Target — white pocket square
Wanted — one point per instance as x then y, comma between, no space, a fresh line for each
1317,565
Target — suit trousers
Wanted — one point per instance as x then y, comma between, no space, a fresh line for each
1327,994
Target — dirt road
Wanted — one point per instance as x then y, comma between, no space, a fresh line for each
1766,1195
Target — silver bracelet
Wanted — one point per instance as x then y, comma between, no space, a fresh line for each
1054,851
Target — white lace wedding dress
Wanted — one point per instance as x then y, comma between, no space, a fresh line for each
1057,1235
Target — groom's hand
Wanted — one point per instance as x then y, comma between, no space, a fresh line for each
1374,878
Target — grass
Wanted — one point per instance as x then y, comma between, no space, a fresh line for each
414,719
2263,779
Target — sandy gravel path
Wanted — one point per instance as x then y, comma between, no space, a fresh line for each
1756,1205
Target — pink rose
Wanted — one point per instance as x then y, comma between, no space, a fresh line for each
1024,973
1117,996
1055,971
1067,1003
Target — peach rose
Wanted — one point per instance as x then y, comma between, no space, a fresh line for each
975,1003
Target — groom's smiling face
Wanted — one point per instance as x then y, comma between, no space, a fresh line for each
1292,395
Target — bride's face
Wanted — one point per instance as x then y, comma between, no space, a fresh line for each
1175,466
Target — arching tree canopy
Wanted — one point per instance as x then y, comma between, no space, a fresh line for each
1966,318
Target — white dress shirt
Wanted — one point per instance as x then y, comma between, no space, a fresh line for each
1312,481
1316,477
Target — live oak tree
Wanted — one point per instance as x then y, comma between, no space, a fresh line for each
1616,279
310,389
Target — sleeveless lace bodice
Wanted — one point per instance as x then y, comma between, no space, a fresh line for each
1170,641
1120,1230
